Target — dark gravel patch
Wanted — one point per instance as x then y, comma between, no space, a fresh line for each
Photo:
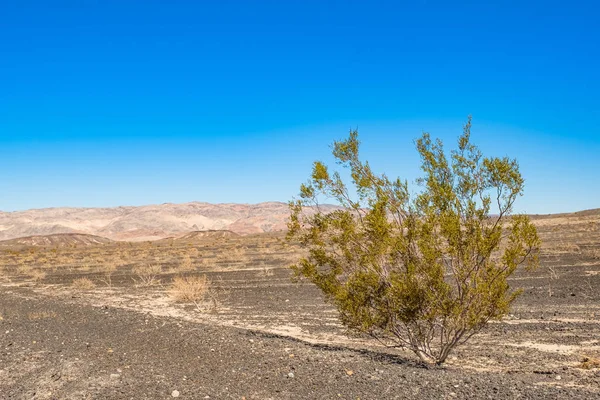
52,349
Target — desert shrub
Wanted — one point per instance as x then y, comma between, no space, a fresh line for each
423,270
265,271
186,263
83,284
147,274
589,363
108,268
24,269
37,275
190,289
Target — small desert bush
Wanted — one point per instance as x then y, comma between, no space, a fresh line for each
83,284
186,264
108,269
37,275
593,253
589,363
265,271
190,289
24,269
147,275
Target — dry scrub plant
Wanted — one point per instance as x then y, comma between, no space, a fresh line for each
589,363
147,274
189,289
83,284
194,289
37,275
108,268
421,270
186,263
24,269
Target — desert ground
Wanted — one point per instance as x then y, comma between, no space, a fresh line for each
82,317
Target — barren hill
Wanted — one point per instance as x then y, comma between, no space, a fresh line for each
58,240
154,222
150,222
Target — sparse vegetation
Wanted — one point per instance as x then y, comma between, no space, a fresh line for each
186,263
37,275
147,274
266,272
190,289
83,284
589,363
250,289
24,269
421,270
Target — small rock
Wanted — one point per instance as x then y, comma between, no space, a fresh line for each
452,394
115,376
558,377
290,375
175,393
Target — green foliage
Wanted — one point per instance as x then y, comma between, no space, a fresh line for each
424,270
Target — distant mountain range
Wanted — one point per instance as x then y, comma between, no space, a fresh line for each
151,222
156,222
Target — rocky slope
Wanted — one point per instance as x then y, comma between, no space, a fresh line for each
146,222
57,240
154,222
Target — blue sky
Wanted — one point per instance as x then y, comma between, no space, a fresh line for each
106,103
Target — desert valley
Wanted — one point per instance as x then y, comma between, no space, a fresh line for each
299,200
89,308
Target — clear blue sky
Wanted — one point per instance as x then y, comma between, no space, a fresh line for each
106,103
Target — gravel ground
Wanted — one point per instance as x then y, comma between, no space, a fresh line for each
270,338
56,349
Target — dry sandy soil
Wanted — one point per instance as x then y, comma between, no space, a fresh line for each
266,337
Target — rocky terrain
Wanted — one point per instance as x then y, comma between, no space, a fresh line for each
57,240
261,335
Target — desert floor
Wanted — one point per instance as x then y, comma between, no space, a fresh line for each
262,336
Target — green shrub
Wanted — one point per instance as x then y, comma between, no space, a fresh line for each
421,270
